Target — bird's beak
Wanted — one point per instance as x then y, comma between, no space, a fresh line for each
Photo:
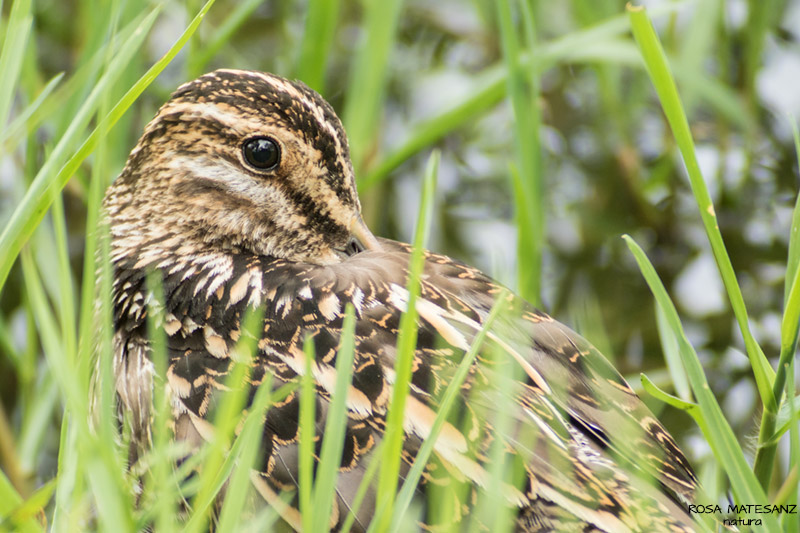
363,235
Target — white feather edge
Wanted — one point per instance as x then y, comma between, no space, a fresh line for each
450,445
438,317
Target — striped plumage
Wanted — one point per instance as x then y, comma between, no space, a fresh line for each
288,239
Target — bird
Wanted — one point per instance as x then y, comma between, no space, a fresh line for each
241,196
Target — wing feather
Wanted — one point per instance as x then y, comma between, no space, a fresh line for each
568,405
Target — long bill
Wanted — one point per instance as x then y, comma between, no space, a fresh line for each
361,232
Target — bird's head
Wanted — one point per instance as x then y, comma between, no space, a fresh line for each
242,160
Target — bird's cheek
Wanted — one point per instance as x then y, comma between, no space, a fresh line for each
294,222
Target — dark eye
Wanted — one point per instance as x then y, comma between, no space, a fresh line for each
262,153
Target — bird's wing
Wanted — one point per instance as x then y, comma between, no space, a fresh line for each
589,447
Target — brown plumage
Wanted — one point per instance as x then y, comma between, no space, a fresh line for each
241,194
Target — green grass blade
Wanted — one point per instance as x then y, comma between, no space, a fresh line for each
756,31
23,118
91,294
65,283
597,43
667,398
103,474
658,69
158,478
368,78
493,508
789,328
250,437
432,130
104,411
10,501
50,334
263,521
218,464
68,467
697,43
335,426
669,345
406,342
39,196
793,261
27,511
530,238
792,523
364,486
74,88
786,418
211,485
37,423
790,322
8,452
48,181
523,91
7,347
113,505
717,431
308,399
215,467
717,96
18,30
9,497
447,402
321,19
791,291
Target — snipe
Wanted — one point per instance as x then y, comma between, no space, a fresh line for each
241,195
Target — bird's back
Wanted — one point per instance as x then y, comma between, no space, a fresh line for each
584,453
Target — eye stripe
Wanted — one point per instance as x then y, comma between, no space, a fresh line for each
293,106
309,208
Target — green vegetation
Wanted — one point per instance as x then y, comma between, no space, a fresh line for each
555,128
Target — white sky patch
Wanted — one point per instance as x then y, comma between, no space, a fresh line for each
775,84
699,288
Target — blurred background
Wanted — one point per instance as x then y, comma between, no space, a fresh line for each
421,75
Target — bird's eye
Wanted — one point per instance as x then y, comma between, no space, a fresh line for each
262,153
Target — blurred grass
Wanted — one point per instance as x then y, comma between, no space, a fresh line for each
17,30
322,18
406,343
550,118
367,86
526,171
449,397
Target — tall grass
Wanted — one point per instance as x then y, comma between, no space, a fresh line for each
60,472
